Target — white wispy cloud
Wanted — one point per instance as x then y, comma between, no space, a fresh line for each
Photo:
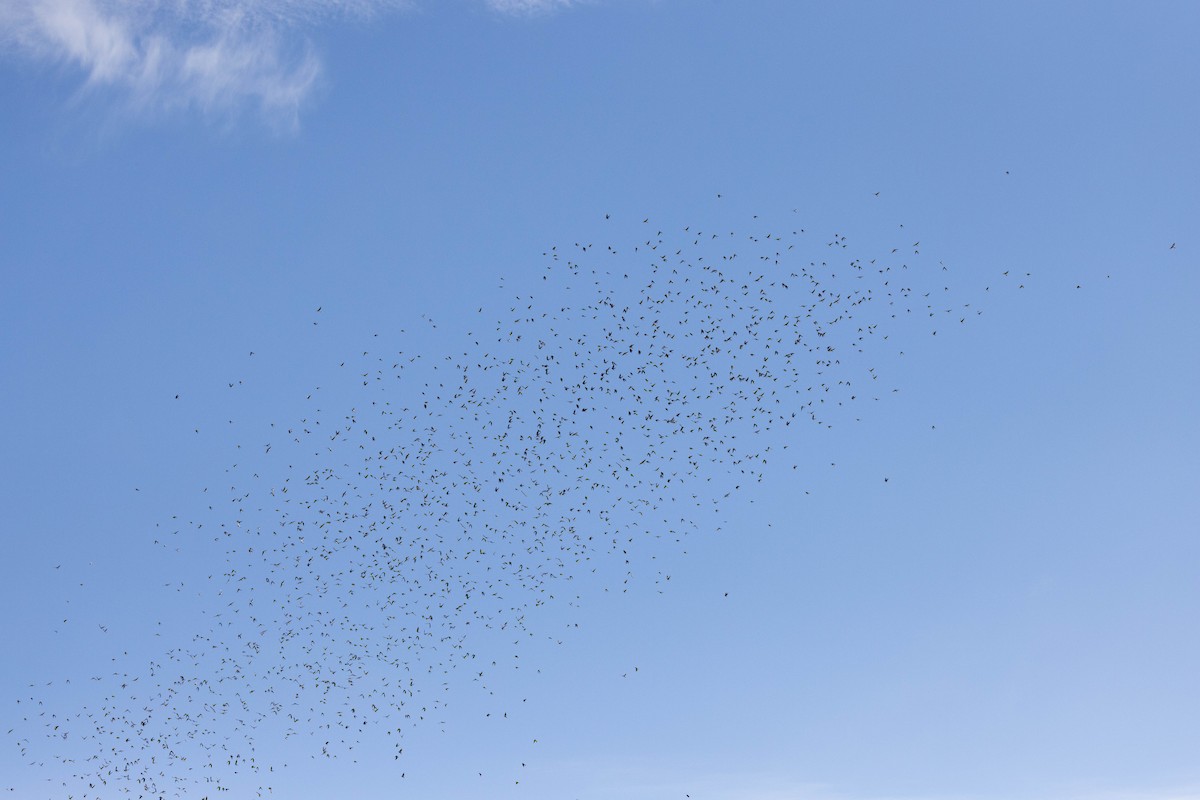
529,6
154,58
216,57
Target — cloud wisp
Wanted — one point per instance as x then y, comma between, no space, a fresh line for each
529,6
216,57
154,58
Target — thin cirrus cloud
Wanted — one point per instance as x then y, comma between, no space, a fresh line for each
217,57
529,6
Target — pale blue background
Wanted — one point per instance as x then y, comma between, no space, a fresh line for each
1014,614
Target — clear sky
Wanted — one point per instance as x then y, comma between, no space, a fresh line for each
993,594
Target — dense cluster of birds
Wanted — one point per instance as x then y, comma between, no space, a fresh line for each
374,555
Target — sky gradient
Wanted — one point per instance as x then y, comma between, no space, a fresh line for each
992,594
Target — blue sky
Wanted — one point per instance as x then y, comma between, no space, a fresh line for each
1011,614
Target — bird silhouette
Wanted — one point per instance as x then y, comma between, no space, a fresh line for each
377,556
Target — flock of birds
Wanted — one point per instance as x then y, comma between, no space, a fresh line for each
378,556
